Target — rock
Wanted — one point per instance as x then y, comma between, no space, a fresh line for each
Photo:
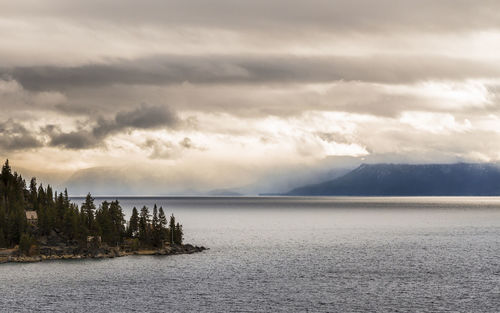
66,252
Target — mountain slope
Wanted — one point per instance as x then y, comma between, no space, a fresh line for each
461,179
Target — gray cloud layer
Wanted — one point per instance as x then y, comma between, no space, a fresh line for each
175,69
324,15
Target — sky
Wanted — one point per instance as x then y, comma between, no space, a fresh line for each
185,97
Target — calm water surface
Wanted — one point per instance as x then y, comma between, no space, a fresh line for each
288,255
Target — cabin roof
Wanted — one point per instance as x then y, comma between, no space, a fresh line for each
31,215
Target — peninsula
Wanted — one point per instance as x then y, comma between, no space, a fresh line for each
37,224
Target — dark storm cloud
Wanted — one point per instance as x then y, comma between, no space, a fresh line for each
265,16
144,117
14,136
253,69
74,140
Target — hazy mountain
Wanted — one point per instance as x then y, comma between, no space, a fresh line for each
152,181
460,179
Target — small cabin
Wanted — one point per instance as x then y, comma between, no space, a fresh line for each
32,217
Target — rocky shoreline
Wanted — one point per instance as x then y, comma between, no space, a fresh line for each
75,253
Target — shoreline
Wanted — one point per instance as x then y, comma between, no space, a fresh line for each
58,253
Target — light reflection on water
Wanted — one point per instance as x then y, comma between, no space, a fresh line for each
288,254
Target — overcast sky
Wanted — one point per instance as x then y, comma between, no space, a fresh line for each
161,97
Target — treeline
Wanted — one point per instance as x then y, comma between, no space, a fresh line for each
57,214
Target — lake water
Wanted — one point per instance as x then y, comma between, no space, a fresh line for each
288,255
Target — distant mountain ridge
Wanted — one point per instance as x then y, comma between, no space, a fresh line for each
459,179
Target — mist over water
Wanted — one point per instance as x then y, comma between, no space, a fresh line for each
288,255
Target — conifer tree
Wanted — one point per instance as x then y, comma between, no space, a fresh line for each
178,234
33,194
49,195
144,226
16,223
88,209
162,221
154,228
68,226
172,229
6,173
133,225
117,222
66,198
41,196
103,224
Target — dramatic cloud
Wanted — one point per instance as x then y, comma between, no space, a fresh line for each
73,140
144,117
14,136
255,95
174,69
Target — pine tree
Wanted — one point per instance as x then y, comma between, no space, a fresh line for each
41,196
162,221
133,225
49,195
172,229
117,222
16,223
178,235
88,209
6,172
66,198
33,194
60,210
67,224
144,226
103,224
155,226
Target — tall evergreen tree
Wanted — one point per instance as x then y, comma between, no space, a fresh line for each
88,209
103,224
162,220
133,225
33,194
6,172
117,221
172,229
155,227
66,198
144,226
178,234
